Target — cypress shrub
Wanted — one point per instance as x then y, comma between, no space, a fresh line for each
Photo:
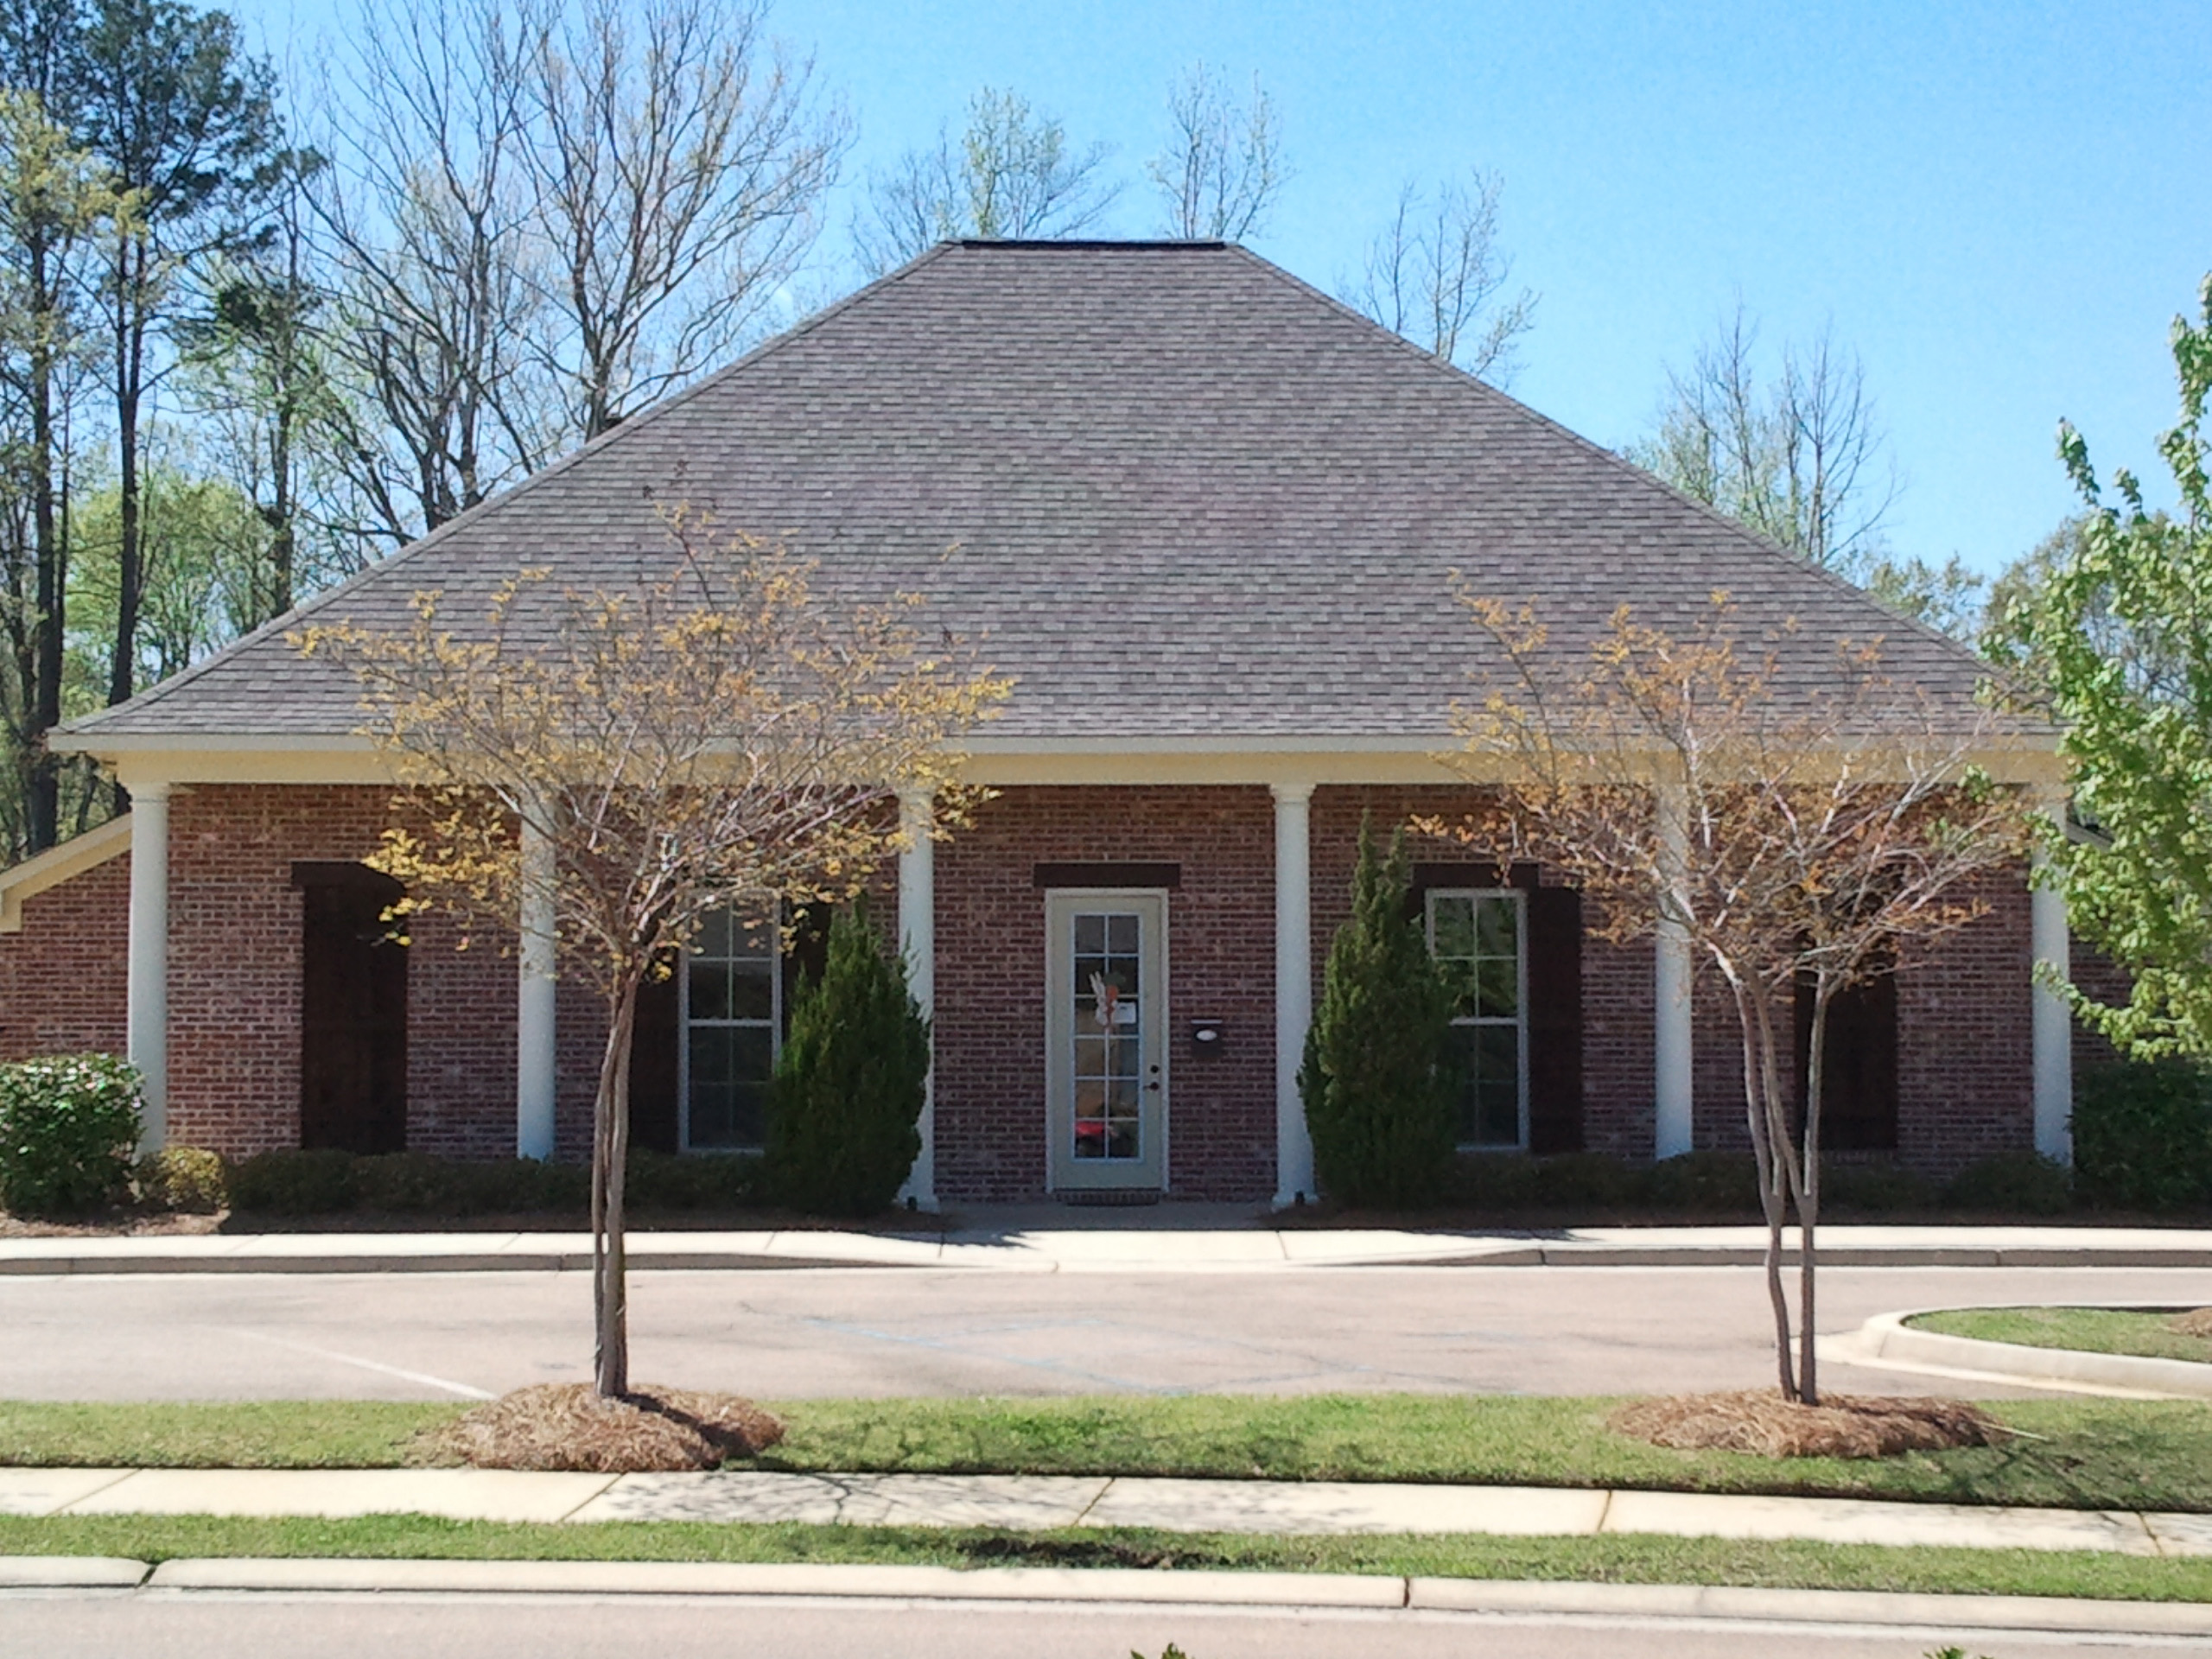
68,1126
851,1080
1375,1080
2143,1136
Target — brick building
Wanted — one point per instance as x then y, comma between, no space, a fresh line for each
1209,522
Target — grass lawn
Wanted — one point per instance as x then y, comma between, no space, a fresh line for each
2072,1453
2093,1329
1624,1558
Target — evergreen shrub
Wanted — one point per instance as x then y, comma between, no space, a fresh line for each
851,1080
1376,1079
68,1126
2143,1136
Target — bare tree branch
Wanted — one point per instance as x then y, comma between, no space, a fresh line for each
1009,175
1222,167
1437,275
679,174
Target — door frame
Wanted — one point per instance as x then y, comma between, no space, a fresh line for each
1076,897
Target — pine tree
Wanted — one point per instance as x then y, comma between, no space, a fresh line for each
1375,1082
851,1080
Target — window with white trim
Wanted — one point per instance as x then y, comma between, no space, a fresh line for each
1479,936
732,1020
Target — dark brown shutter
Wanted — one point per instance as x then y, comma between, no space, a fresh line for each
1554,1019
653,1038
353,1010
1859,1093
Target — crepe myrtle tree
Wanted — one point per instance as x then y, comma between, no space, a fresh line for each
724,730
1793,839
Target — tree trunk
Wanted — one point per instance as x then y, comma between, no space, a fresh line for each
45,804
1808,1195
1749,1014
610,1161
130,575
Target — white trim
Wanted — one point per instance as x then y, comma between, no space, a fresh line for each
1159,1001
917,939
55,866
1520,902
1673,1034
2050,1021
1294,832
536,1002
772,922
146,1017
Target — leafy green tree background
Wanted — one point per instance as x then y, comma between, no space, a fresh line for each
1375,1082
2117,643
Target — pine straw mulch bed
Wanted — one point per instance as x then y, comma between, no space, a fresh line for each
2195,1323
1760,1421
568,1426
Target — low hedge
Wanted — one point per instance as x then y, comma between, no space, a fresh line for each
294,1183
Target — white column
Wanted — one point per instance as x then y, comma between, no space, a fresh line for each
1293,987
917,939
535,1001
146,1020
2052,1029
1672,1023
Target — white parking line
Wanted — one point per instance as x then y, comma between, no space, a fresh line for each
465,1390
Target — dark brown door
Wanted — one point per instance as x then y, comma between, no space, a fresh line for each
353,1012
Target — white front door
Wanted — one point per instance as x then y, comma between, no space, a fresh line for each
1106,1047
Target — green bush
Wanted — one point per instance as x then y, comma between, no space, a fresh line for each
1377,1093
2015,1183
1876,1188
2143,1136
1702,1182
1596,1180
721,1180
68,1126
851,1081
1492,1181
293,1182
188,1180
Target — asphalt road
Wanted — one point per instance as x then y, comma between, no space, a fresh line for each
332,1627
877,1332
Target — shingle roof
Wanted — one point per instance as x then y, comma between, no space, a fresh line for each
1172,491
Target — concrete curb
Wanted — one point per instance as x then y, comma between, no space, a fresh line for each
1887,1340
266,1260
1940,1615
733,1579
70,1572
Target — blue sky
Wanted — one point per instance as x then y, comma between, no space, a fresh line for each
1999,207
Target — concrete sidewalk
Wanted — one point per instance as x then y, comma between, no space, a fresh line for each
1219,1243
1038,1502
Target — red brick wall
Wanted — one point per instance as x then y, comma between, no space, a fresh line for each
1964,1052
990,981
234,980
1966,1087
1618,992
62,979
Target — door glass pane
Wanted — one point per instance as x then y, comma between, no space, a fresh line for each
1106,1035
